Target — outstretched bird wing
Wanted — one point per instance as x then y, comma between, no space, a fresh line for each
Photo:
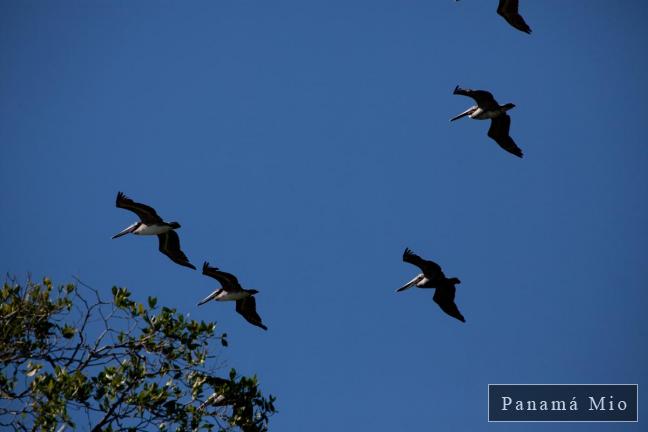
247,308
483,98
430,269
508,9
146,214
227,280
170,246
444,297
499,131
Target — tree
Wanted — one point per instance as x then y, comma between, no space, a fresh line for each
69,359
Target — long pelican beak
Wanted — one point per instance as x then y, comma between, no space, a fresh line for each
209,297
128,230
463,114
409,284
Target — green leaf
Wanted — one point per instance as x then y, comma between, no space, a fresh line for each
68,332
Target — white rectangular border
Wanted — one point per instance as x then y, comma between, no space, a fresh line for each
558,421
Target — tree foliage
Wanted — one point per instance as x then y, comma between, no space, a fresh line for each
69,359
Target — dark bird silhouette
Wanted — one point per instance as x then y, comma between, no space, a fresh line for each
488,108
433,277
231,290
152,224
508,9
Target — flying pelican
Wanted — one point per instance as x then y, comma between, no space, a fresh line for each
152,224
488,108
231,290
433,277
508,9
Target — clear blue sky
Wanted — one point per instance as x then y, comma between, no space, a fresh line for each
303,145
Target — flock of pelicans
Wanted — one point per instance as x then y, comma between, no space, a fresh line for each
152,224
231,290
431,275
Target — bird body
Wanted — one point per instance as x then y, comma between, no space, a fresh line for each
139,228
224,295
433,277
477,113
152,224
421,281
155,229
